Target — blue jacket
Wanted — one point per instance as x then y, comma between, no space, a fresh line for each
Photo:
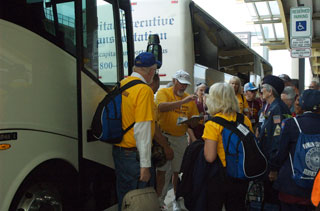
269,134
309,124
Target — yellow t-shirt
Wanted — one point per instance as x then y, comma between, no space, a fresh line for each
168,120
243,104
137,106
212,131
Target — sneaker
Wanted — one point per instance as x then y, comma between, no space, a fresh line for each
176,206
163,207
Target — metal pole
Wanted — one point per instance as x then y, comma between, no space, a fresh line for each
301,74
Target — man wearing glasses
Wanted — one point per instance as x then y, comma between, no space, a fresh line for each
175,106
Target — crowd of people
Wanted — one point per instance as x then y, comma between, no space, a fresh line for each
274,111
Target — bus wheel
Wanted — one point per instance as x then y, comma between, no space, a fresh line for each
40,197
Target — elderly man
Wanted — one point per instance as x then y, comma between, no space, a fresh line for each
175,107
273,112
132,156
314,85
288,96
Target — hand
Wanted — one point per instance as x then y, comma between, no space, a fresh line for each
145,174
273,175
190,98
168,152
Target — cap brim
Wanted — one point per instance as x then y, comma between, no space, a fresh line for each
183,81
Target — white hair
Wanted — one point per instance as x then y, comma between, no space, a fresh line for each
222,98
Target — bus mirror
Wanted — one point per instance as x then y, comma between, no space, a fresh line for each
155,48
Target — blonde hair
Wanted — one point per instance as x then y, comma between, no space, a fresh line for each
222,98
238,81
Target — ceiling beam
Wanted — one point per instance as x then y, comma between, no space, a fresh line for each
267,21
231,53
252,1
284,23
236,61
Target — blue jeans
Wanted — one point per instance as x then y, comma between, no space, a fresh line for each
127,169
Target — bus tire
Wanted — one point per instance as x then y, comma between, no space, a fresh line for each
46,189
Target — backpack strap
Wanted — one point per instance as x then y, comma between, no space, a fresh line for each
295,119
232,125
242,98
127,86
240,118
130,84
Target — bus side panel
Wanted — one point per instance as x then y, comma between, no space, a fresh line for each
37,83
38,101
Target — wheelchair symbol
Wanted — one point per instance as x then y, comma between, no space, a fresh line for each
301,25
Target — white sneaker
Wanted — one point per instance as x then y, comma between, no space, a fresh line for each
163,206
176,206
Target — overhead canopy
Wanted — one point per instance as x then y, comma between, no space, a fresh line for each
218,48
273,19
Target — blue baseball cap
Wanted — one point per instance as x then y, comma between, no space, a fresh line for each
145,59
249,87
310,100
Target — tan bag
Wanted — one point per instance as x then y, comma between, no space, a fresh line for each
141,200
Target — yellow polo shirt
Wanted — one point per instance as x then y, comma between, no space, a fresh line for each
137,106
212,131
242,103
168,120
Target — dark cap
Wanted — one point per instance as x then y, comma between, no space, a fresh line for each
310,100
145,59
275,82
285,77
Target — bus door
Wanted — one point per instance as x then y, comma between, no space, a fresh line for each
106,42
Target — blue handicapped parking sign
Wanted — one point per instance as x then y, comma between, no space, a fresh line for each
301,26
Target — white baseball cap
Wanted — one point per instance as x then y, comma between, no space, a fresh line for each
183,77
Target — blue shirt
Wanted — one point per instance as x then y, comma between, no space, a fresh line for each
269,134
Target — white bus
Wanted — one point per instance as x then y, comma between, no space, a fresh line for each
50,85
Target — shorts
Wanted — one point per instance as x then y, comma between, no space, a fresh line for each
178,145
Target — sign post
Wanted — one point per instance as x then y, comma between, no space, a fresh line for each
300,32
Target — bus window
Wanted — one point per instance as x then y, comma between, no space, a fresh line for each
124,41
60,22
52,21
100,56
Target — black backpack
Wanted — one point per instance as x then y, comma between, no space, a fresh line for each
106,125
243,156
185,181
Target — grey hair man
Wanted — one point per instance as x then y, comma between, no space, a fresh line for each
314,85
288,96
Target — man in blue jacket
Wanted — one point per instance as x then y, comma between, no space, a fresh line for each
292,196
273,112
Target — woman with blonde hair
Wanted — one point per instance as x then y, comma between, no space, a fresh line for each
235,82
222,189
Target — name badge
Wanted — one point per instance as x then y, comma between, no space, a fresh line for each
180,120
261,118
243,129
